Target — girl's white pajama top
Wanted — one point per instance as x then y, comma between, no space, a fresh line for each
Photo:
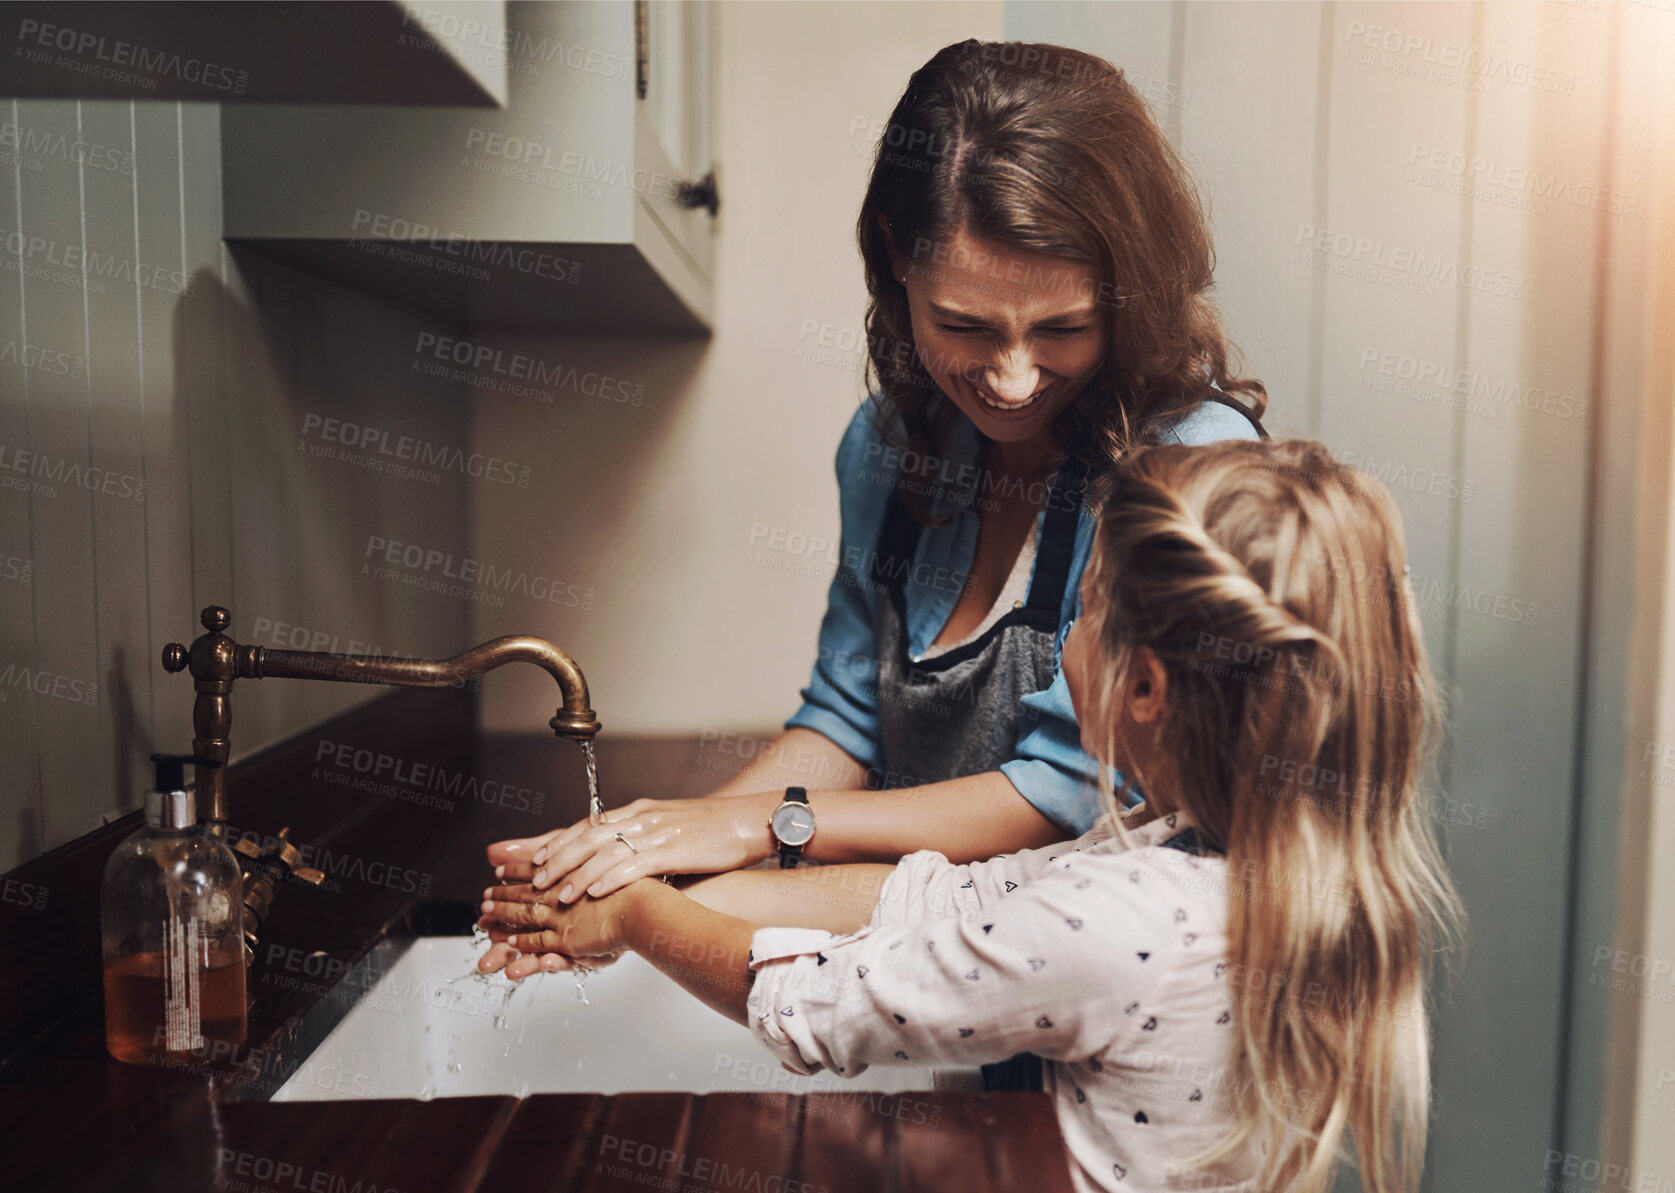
1105,958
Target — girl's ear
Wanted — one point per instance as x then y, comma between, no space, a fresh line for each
1148,688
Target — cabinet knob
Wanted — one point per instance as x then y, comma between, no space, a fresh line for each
699,194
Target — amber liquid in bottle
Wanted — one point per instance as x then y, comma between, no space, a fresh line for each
135,993
171,932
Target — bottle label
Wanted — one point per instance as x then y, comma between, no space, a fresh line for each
182,1013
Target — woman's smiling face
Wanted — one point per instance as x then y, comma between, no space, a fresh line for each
1011,337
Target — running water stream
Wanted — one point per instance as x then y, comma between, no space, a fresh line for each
595,815
578,971
595,806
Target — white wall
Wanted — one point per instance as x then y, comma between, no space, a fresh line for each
1643,1093
654,508
1358,120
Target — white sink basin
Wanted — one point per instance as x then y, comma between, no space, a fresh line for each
417,1035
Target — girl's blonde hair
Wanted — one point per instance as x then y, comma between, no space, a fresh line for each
1268,580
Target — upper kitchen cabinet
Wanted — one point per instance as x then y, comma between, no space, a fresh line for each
587,203
267,51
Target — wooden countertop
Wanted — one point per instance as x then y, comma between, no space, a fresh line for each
395,800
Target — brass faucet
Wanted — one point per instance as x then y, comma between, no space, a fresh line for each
216,661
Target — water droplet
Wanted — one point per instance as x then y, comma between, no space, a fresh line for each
500,1019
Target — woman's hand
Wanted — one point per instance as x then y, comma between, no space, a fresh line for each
658,836
517,851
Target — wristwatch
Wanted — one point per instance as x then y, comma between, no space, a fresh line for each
792,825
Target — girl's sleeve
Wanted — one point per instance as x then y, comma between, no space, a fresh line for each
1037,972
841,699
1050,768
926,885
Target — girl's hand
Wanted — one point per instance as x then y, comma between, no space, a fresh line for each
533,922
668,836
524,959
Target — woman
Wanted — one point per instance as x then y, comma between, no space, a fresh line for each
1037,266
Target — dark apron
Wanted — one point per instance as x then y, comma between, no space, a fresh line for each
957,714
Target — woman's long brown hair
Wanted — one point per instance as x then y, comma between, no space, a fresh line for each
1269,581
1046,149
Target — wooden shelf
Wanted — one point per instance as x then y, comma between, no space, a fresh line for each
558,212
616,288
262,51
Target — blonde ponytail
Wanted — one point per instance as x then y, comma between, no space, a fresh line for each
1269,581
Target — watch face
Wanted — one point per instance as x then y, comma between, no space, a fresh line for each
793,824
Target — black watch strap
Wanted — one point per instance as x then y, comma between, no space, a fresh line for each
790,855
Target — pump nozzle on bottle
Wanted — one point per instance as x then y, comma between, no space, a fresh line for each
170,804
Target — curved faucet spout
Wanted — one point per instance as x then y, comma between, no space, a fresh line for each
575,716
216,661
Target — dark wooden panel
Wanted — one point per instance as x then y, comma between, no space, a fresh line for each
1021,1135
640,1143
417,1147
842,1135
741,1141
938,1151
549,1145
553,1143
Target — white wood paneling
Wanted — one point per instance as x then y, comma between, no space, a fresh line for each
169,368
22,828
61,507
116,446
1446,292
1248,98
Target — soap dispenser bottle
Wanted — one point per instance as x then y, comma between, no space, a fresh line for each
172,920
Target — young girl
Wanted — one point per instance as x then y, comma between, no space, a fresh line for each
1225,980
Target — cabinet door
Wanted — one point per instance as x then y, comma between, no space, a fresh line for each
677,46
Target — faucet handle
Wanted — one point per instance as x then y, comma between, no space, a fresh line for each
176,655
268,870
213,656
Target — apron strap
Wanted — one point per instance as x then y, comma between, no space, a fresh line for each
1217,395
897,546
1064,508
1189,840
1058,538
